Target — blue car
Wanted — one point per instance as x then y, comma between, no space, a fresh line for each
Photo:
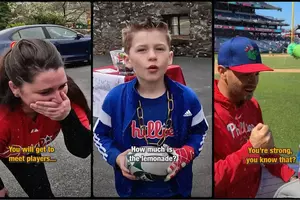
73,46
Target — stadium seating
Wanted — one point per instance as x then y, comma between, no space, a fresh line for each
264,45
241,16
232,19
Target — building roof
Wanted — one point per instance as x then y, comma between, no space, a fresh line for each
256,5
269,6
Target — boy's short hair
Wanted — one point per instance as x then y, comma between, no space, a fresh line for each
148,24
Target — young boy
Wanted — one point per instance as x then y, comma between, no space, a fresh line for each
168,106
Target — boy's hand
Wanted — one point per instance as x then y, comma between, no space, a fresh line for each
121,162
183,155
293,178
4,192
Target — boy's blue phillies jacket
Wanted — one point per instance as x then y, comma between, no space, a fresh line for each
112,129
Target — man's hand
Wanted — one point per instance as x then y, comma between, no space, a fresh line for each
261,137
121,162
53,110
183,155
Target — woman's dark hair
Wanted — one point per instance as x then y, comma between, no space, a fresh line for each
24,61
76,96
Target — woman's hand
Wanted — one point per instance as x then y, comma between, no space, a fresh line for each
53,110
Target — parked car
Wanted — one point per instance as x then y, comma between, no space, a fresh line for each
73,46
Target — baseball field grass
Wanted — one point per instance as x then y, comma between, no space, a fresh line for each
279,97
281,61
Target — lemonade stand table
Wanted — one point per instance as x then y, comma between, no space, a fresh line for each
107,77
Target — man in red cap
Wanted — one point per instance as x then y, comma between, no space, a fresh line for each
238,125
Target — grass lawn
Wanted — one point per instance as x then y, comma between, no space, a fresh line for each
281,62
279,97
278,62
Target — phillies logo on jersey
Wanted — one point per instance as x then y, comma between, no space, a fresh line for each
155,130
239,129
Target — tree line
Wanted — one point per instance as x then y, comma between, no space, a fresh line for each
61,13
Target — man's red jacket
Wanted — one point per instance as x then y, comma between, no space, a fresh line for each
234,178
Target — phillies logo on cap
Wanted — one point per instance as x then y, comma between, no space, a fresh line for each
12,44
251,53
